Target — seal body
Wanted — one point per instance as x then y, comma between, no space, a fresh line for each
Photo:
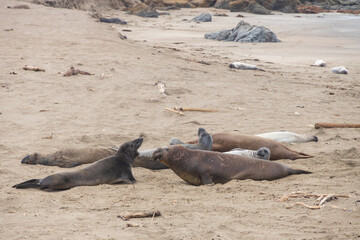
244,66
224,142
263,153
288,137
110,170
199,167
340,70
319,63
205,141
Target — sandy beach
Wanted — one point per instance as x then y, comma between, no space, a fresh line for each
45,112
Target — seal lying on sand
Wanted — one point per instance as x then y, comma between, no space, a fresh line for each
263,153
110,170
288,137
224,142
72,157
199,167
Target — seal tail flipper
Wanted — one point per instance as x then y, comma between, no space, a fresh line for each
33,183
298,171
301,155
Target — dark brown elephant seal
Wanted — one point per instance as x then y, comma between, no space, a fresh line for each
224,142
199,167
110,170
72,157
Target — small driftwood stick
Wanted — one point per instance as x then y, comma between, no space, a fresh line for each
336,125
31,68
140,215
175,111
307,206
320,197
195,109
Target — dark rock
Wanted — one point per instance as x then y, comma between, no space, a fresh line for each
204,17
244,32
238,5
112,20
256,8
143,10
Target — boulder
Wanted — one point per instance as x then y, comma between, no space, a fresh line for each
256,8
244,32
143,10
204,17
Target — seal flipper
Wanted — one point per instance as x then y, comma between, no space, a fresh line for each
33,183
298,171
205,179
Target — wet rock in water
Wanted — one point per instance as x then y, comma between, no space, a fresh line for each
204,17
112,20
244,32
142,10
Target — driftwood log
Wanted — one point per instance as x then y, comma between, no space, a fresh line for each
140,215
336,125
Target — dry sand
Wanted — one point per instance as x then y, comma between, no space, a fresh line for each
81,111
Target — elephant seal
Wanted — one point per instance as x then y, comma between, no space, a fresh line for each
288,137
199,167
204,143
263,153
72,157
110,170
224,142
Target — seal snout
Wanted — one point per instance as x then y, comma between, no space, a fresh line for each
315,139
137,142
158,154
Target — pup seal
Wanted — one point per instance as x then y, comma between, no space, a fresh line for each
263,153
199,167
223,142
288,137
110,170
204,143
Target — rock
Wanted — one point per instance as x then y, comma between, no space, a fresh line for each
204,17
238,5
256,8
112,20
208,3
222,4
143,10
244,32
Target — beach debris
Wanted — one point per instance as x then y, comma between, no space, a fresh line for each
8,29
244,32
112,20
162,88
32,68
174,111
244,66
49,137
195,109
320,201
13,73
336,125
297,113
132,225
23,6
240,15
153,214
204,17
319,63
340,70
221,15
74,71
122,37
